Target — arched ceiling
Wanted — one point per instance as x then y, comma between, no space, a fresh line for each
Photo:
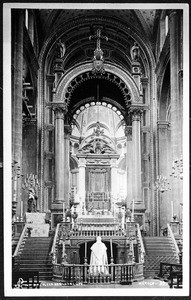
74,27
140,20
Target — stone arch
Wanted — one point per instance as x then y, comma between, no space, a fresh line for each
111,68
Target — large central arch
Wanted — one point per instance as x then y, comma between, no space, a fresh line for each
65,81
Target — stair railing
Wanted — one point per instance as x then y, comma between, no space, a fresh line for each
23,235
171,235
140,245
53,249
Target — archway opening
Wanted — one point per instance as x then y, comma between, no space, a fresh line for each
89,245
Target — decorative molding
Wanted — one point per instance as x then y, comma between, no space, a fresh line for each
60,109
69,76
97,161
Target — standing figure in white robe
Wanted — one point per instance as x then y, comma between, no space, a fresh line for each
98,258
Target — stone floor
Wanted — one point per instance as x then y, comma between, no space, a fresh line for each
146,283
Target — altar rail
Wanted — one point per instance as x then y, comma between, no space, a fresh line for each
81,274
102,229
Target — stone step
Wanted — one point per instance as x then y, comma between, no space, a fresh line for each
31,251
43,275
35,263
34,258
35,268
28,260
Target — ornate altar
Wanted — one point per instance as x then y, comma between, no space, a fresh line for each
98,185
97,150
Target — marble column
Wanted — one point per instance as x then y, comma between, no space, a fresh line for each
176,101
67,133
164,164
60,111
82,182
129,162
114,178
174,80
136,157
17,97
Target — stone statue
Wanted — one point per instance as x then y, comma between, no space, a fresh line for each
32,201
61,49
135,52
98,258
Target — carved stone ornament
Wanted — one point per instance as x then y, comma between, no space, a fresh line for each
98,60
98,65
67,129
135,52
98,162
128,132
60,110
136,112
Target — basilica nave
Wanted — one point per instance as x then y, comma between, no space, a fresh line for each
97,141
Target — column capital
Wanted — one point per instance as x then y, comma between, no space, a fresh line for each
136,111
60,109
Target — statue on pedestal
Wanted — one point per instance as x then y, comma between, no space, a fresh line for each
98,259
32,201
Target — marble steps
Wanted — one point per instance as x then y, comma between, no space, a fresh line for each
158,249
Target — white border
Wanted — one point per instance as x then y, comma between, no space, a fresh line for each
8,142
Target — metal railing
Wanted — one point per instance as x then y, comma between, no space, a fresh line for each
166,269
21,240
140,242
103,229
86,274
171,235
53,249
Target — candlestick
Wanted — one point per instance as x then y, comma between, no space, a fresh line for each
111,248
133,207
85,249
21,209
172,209
63,210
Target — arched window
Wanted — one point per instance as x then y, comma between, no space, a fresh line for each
26,18
166,25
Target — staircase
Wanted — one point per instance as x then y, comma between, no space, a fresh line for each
158,249
35,256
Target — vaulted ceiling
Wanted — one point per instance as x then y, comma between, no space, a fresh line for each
74,26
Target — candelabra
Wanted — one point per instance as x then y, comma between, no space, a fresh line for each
162,184
31,183
177,168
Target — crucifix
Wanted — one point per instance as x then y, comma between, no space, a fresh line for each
98,36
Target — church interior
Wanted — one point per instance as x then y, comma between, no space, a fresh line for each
97,143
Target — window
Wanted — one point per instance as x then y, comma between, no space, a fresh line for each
166,25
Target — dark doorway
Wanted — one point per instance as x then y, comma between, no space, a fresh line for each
89,244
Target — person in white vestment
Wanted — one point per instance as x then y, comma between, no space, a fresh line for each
98,258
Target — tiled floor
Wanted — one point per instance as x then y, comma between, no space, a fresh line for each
146,283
